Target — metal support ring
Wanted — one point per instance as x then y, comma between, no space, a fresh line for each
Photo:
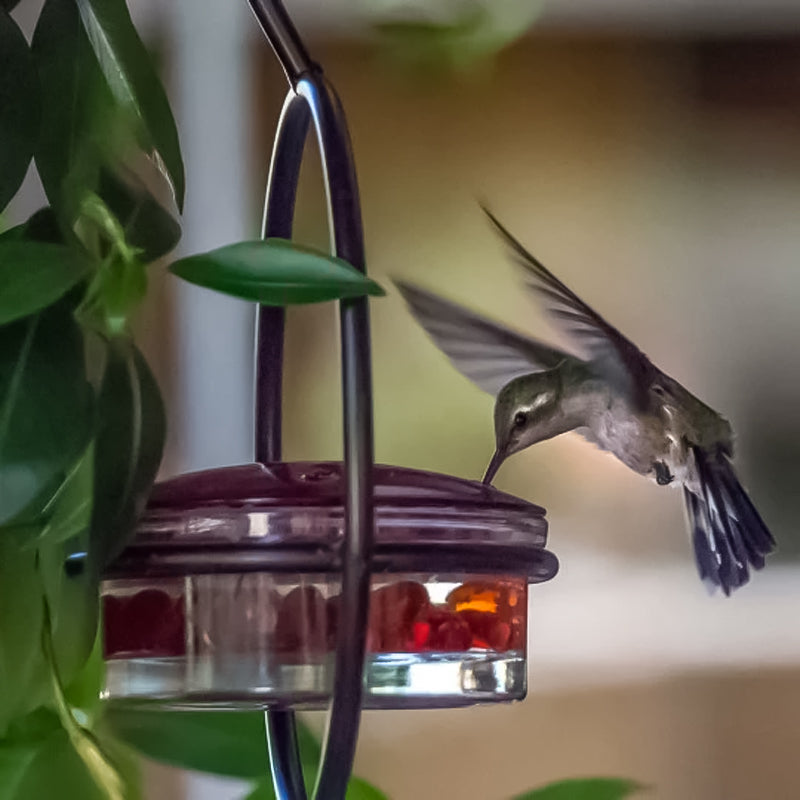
313,96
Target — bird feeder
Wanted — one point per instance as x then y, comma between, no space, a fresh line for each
280,586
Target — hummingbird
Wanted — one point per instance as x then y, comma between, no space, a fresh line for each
616,398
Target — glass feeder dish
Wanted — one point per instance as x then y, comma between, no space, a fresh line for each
228,595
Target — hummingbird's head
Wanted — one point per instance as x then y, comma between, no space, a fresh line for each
527,410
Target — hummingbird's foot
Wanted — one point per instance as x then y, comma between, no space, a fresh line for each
663,476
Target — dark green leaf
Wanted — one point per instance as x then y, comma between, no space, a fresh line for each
69,513
99,761
70,579
34,275
148,227
24,575
78,111
33,740
263,791
45,408
42,226
15,763
232,744
19,107
134,83
128,447
22,676
33,727
13,234
54,769
275,272
83,691
584,789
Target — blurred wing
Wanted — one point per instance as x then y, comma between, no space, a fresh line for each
728,533
489,354
615,355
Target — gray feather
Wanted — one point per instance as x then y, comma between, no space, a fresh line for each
490,355
614,355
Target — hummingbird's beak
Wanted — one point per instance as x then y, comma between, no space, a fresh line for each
497,459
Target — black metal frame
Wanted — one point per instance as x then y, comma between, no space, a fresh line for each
312,99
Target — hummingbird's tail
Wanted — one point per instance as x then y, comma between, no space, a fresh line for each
728,534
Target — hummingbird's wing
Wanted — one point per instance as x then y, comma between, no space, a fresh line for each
728,534
490,355
616,356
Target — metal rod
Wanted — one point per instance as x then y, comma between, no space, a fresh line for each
287,154
348,243
283,37
279,203
284,754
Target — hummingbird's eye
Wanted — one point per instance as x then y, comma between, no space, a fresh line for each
520,418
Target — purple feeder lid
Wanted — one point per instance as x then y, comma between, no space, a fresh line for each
288,517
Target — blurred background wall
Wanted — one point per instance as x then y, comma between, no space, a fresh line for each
648,154
660,178
656,180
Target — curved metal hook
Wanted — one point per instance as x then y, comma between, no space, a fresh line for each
287,155
283,38
344,214
314,96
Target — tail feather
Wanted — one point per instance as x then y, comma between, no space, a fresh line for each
757,533
728,534
753,555
702,541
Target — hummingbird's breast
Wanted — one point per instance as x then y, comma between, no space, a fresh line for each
638,439
661,435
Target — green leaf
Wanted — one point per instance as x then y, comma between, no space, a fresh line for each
134,83
19,107
431,39
148,227
69,513
16,760
359,789
70,579
32,728
262,791
42,226
231,744
128,447
118,288
24,575
584,789
45,408
53,769
79,115
34,275
83,691
97,759
275,272
22,677
34,740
